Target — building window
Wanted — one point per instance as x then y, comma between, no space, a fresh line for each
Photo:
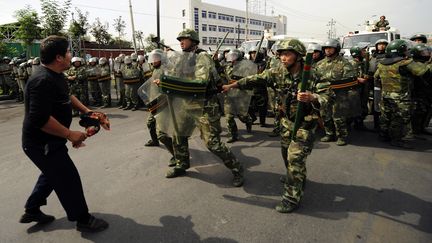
240,19
184,12
212,15
204,41
196,19
184,25
274,25
204,27
255,22
212,28
204,14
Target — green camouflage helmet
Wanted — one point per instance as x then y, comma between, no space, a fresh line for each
381,41
332,43
420,50
189,34
355,51
421,37
292,45
397,48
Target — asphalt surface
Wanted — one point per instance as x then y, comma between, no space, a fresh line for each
364,192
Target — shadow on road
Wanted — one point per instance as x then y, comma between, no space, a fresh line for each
173,229
335,201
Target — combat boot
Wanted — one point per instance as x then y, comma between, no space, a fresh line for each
286,206
341,142
152,143
249,127
328,138
129,106
400,144
172,162
238,179
176,171
232,139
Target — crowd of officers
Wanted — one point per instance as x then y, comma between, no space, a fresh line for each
393,84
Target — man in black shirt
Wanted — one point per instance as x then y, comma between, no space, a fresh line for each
45,133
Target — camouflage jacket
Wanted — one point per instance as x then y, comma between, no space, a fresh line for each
396,75
93,72
382,24
130,74
358,67
286,85
78,72
104,72
338,71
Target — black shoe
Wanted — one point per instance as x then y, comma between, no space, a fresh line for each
39,217
172,162
328,138
286,207
282,179
175,172
152,143
128,107
93,225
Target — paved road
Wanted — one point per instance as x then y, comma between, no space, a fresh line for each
364,192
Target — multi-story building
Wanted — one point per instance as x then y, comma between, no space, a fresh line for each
213,21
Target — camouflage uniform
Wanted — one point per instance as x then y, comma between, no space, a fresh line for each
274,62
93,73
259,100
363,89
122,103
294,153
22,77
5,77
76,86
231,124
132,78
395,73
104,81
338,70
209,122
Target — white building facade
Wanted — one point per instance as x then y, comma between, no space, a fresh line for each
213,21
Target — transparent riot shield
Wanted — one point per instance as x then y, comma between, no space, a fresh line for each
182,100
237,101
149,91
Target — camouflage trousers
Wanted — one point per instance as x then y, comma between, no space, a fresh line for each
395,118
421,114
294,154
75,89
105,87
95,91
232,125
10,85
210,129
151,125
122,91
84,96
364,99
259,103
131,93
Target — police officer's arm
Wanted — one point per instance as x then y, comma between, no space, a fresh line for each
203,67
418,69
264,78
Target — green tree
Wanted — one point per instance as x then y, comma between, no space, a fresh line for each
79,26
119,26
149,44
139,35
29,29
54,16
5,50
100,33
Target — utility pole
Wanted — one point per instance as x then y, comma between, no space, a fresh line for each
332,30
158,22
247,20
133,26
238,36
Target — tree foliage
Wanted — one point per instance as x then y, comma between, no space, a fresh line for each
100,32
55,15
79,25
5,50
149,44
28,29
119,27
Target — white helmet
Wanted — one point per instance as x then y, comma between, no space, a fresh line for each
30,61
127,60
24,64
117,59
93,59
36,61
141,58
314,47
102,61
157,55
76,59
134,56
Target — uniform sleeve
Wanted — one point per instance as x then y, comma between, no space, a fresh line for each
349,71
264,78
203,68
417,68
40,103
322,89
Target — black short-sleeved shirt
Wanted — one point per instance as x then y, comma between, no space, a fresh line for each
46,94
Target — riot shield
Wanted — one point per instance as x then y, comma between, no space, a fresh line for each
237,101
182,96
149,91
